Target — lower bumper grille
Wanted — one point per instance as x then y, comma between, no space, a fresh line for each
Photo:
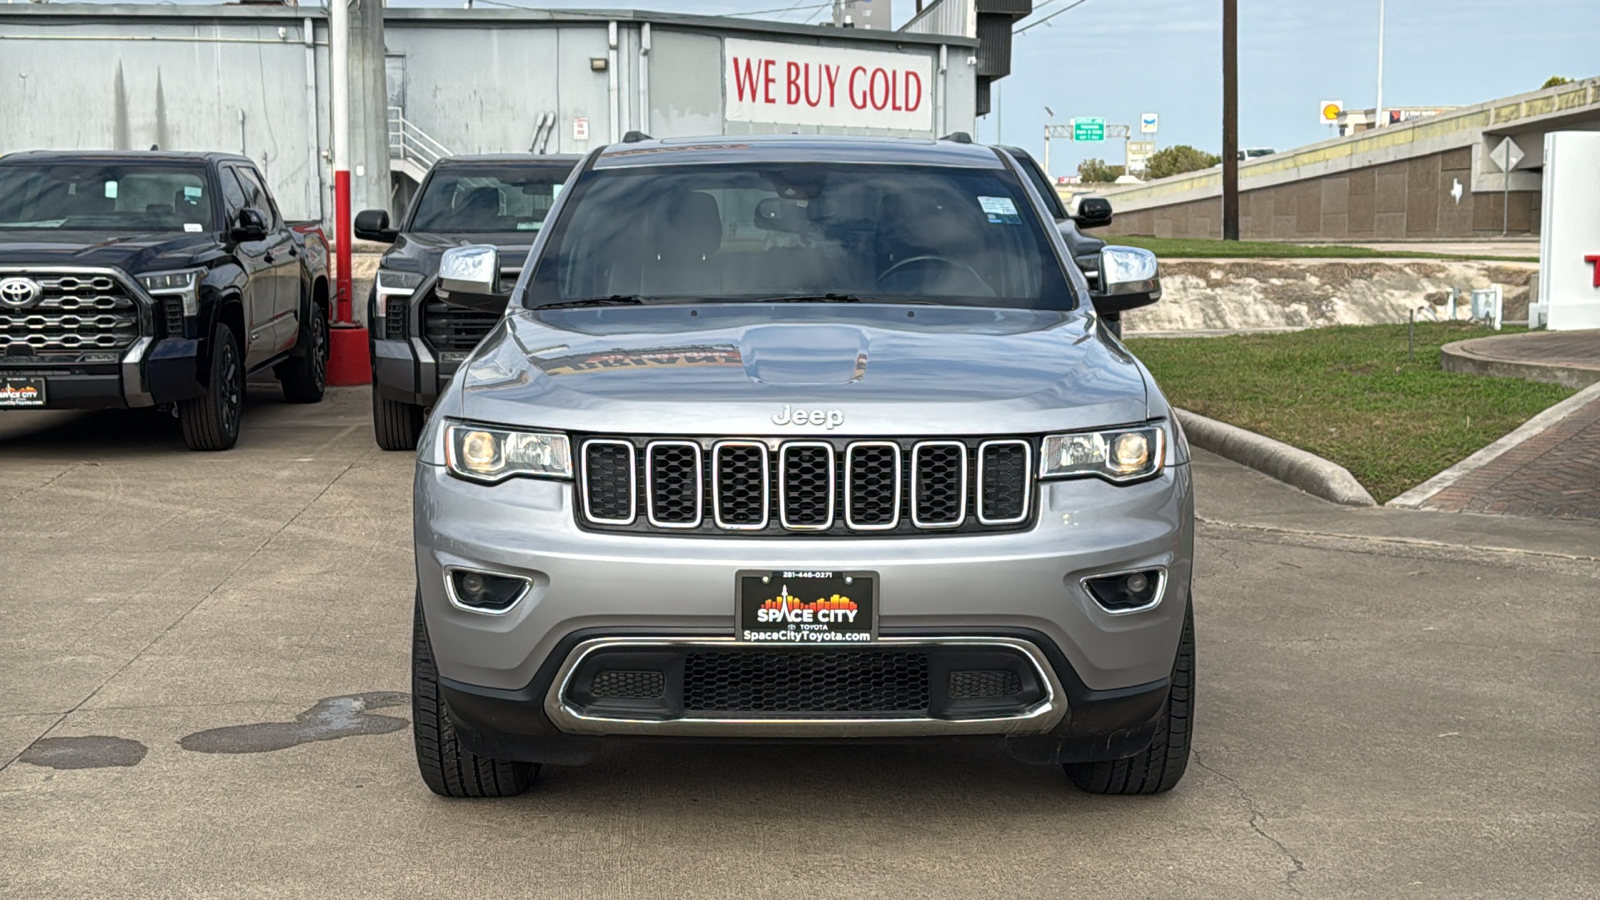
804,681
898,686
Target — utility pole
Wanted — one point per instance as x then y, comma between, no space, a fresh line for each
1230,120
1377,114
339,87
349,359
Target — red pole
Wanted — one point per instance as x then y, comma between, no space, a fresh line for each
341,215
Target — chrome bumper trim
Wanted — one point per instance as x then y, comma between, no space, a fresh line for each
132,384
1039,718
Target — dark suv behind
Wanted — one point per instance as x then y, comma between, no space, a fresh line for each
418,340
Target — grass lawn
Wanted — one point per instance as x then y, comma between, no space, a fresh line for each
1181,248
1348,393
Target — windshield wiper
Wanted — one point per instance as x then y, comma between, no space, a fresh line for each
808,298
613,300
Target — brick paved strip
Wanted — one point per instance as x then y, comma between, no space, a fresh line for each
1554,473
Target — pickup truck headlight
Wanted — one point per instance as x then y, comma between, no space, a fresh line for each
392,283
184,284
481,453
1121,454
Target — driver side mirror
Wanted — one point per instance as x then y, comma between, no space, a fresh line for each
251,225
1092,212
373,225
1129,279
469,277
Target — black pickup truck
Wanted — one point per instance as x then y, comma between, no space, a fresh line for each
418,340
1091,212
155,279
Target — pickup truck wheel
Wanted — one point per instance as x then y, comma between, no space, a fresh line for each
396,424
447,768
1161,765
305,378
211,420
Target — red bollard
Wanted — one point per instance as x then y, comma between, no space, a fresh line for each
349,350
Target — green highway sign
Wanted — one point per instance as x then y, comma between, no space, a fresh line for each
1089,129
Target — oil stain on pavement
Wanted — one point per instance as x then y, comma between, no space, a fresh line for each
91,752
330,719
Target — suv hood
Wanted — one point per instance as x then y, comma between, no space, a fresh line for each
736,368
132,253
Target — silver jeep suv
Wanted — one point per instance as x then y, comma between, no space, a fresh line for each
801,438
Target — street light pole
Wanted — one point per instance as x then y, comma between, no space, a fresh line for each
1230,120
1377,116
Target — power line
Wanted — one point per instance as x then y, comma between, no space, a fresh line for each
1058,12
781,9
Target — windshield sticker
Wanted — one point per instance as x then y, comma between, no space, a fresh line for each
555,190
111,190
190,192
191,226
1000,210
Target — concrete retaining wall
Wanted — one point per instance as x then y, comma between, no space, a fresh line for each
1204,295
1409,198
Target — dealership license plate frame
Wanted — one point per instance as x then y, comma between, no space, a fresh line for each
854,586
10,384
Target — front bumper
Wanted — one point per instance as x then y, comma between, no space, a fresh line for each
408,371
502,673
147,373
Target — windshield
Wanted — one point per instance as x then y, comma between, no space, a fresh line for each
105,196
815,230
484,201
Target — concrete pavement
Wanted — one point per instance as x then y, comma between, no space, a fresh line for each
1392,703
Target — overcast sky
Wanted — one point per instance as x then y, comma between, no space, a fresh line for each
1119,58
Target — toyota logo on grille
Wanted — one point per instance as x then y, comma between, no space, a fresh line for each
19,293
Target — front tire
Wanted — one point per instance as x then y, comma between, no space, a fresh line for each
1160,766
211,420
397,425
448,769
305,378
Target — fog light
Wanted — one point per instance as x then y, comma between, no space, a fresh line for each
1126,592
483,591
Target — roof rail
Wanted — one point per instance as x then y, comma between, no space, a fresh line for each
959,137
634,137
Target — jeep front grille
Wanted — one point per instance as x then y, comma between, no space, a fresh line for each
76,313
770,487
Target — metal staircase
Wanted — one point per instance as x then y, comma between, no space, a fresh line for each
411,150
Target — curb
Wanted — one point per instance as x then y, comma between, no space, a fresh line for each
1291,465
1457,357
1421,493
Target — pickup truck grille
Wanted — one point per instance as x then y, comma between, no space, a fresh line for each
447,327
767,487
76,314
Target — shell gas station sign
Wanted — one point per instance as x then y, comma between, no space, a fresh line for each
795,84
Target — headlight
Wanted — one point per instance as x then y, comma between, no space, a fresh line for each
1123,454
489,455
184,284
392,283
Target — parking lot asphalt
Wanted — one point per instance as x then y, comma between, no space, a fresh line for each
203,661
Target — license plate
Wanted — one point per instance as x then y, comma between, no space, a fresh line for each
800,606
21,391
